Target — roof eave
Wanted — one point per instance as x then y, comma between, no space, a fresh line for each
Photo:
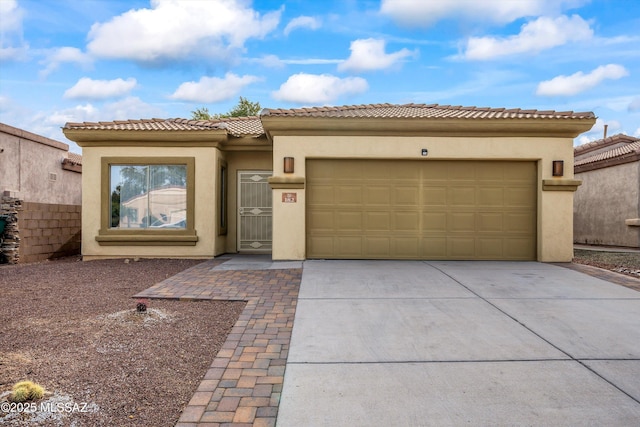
549,127
117,137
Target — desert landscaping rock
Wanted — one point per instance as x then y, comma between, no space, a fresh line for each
72,327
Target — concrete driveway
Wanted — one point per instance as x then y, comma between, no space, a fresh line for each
410,343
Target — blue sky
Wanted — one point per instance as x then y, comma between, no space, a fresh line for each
104,60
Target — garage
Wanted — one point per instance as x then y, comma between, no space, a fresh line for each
421,209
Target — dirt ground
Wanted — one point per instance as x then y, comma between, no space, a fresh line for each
72,327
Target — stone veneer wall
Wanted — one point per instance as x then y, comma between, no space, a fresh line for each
10,239
42,231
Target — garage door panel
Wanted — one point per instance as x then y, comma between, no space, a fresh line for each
519,197
461,222
491,248
421,209
490,196
460,171
404,195
377,195
377,221
462,196
406,247
434,222
322,195
377,247
519,248
434,195
434,248
349,221
490,222
321,221
406,221
348,195
349,246
321,245
519,221
461,248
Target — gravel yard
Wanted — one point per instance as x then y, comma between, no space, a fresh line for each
621,262
72,327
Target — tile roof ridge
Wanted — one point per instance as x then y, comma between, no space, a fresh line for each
603,142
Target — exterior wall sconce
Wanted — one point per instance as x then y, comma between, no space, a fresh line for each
558,168
288,165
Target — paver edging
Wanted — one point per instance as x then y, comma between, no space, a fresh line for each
244,381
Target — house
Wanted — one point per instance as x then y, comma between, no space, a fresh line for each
41,199
376,181
607,205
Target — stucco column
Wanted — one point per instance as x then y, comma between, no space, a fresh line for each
556,210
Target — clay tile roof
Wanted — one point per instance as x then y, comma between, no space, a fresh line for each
146,124
605,142
621,146
242,126
236,126
74,158
421,111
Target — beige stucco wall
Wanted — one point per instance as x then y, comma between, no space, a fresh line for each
205,205
210,241
606,198
27,162
555,208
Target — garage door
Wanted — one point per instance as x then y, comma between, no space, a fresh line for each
388,209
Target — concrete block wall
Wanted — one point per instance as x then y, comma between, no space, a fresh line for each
43,231
49,231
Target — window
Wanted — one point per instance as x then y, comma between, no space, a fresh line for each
148,196
222,199
147,201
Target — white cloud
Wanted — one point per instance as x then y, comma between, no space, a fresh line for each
424,13
535,36
635,104
597,131
11,16
87,88
12,44
302,22
269,61
175,29
65,54
128,108
369,54
312,61
305,88
272,61
637,132
579,82
213,89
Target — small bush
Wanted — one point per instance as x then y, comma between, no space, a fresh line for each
26,390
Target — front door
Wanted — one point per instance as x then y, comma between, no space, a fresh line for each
254,211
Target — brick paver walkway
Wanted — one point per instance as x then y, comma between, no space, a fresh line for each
243,385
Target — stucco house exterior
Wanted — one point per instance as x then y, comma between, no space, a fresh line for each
377,181
607,204
41,199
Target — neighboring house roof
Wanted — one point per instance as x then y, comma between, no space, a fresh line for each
420,111
611,151
74,158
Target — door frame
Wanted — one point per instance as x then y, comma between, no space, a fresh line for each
240,172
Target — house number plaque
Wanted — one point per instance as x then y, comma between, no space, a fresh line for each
289,197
